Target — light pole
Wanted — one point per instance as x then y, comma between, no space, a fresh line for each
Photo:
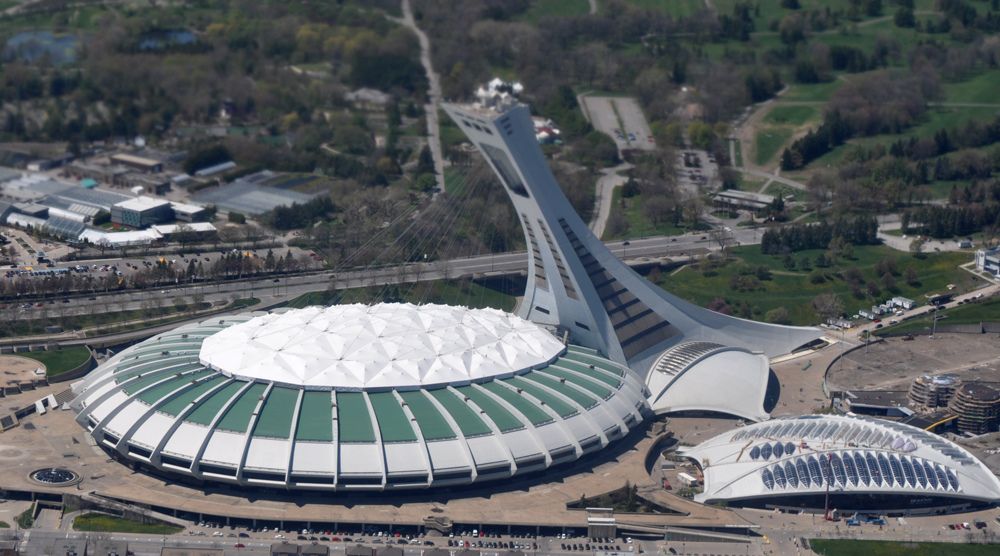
625,250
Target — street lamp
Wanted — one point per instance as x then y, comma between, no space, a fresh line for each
625,250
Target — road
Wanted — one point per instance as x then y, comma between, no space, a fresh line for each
434,95
35,542
769,176
272,290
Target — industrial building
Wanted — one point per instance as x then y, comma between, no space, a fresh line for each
141,212
817,463
734,199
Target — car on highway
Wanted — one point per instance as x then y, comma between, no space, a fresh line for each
239,545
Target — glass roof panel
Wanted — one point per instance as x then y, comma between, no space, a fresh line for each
791,474
802,471
931,475
779,476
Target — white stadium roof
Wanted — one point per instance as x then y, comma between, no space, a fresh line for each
155,403
808,455
380,346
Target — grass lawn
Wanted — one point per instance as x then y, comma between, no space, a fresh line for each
639,225
737,153
980,88
971,313
791,115
841,547
794,289
4,525
935,119
61,360
819,92
769,141
498,294
555,8
676,8
111,524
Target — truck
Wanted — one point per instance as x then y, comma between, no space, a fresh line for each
687,480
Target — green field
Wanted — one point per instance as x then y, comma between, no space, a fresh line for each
980,88
639,225
450,292
795,290
840,547
972,313
791,115
4,525
111,524
817,92
676,8
61,360
768,143
936,119
555,8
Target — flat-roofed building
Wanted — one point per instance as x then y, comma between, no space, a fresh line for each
184,212
359,550
107,548
988,260
142,163
734,199
141,212
315,549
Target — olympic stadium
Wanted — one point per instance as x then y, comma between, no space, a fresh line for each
397,396
845,463
388,396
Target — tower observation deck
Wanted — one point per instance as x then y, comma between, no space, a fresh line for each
576,283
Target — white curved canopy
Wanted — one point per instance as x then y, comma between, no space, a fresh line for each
379,346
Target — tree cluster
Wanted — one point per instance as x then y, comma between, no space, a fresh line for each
859,230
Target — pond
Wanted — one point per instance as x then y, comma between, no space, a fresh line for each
158,40
35,46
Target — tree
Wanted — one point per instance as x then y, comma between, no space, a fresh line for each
827,306
911,277
778,315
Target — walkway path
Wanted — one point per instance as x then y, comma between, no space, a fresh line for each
604,196
434,96
773,177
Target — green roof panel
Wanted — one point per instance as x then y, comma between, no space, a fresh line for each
468,420
553,383
179,402
354,423
210,407
315,417
150,378
157,393
275,419
433,425
575,354
596,374
560,407
520,403
590,385
237,417
392,421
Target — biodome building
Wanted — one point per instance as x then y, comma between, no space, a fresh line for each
382,397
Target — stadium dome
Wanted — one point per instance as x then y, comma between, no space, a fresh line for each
862,464
354,397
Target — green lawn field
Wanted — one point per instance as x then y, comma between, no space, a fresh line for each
791,115
61,360
676,8
794,289
111,524
769,141
555,8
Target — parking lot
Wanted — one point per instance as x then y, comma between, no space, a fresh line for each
620,118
